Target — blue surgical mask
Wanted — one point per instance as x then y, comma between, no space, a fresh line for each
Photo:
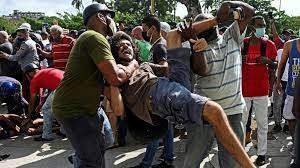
260,32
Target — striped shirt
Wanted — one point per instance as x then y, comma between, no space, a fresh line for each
222,84
61,52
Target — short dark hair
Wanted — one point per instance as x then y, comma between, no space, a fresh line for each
114,41
151,20
257,17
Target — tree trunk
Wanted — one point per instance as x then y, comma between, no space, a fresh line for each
193,7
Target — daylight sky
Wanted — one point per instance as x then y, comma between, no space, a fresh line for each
51,7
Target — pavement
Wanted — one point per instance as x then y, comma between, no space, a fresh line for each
27,153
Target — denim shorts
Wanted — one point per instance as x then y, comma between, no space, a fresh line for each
172,101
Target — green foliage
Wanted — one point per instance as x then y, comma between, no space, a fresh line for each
9,25
262,8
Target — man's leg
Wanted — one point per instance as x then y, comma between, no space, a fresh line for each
48,118
246,115
225,159
214,114
150,153
200,141
86,138
277,109
169,145
288,114
260,109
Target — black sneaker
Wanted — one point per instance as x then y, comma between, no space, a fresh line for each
277,128
286,128
3,157
163,165
40,138
70,159
293,165
261,160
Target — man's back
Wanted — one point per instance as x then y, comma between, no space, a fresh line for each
48,78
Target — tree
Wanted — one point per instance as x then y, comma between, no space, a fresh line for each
193,7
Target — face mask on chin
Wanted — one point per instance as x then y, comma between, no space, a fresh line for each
209,35
260,32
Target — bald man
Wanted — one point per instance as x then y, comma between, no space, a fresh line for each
143,47
5,45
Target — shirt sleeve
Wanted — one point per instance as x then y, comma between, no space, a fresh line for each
160,53
99,48
234,32
20,53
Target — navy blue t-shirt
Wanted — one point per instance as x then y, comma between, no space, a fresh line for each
158,51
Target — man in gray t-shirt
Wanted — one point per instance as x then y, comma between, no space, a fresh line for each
27,54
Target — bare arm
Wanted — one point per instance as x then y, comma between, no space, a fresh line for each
115,98
31,104
274,30
114,74
282,64
199,62
247,10
21,52
44,53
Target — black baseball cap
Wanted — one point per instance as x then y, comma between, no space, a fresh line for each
95,8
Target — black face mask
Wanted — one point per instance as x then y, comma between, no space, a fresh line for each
145,37
208,35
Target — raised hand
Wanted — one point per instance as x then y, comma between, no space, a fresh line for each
186,30
199,44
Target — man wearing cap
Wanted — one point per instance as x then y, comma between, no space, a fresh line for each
27,54
61,48
77,98
49,79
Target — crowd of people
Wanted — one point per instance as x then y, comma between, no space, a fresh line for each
93,85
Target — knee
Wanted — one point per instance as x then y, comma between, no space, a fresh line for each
213,112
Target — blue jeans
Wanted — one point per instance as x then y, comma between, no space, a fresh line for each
201,139
106,129
152,147
87,140
48,118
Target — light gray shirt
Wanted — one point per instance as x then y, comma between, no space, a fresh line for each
27,54
223,83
